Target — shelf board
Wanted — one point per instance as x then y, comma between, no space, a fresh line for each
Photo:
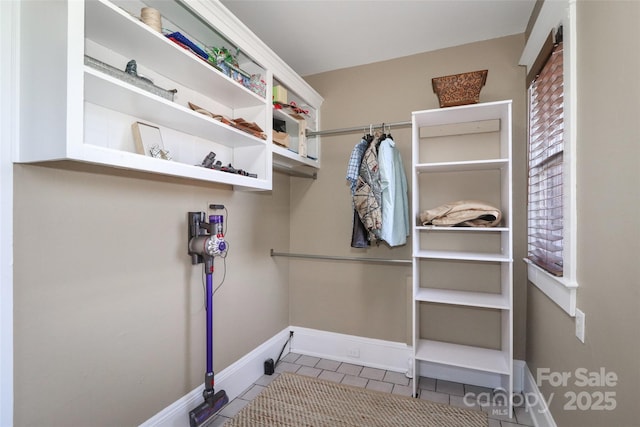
462,229
463,356
283,115
115,29
123,159
291,159
474,165
114,94
464,113
471,299
458,255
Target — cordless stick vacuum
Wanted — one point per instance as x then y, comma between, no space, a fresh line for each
206,240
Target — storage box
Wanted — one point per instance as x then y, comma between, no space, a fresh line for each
280,94
459,89
281,138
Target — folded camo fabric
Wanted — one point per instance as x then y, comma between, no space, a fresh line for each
467,213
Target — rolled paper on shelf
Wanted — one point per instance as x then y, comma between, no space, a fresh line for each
152,18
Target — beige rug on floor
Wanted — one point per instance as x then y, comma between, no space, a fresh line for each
298,401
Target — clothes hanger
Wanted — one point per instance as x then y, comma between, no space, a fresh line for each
380,136
370,134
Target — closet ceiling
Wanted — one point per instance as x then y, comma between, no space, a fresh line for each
314,36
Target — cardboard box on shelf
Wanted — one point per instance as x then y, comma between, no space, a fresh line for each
280,94
281,138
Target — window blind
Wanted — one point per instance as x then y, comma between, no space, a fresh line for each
546,146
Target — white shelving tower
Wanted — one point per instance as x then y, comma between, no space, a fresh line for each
463,153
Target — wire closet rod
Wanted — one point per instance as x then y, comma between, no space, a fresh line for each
341,258
356,128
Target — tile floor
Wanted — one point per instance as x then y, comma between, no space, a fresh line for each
447,392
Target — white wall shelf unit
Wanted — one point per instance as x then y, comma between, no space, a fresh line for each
71,110
295,158
463,153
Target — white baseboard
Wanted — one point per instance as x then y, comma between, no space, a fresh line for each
536,402
234,379
374,353
519,368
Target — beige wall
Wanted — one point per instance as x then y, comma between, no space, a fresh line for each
372,300
109,311
608,174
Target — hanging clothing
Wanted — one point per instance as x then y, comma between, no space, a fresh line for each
368,195
359,234
353,169
395,200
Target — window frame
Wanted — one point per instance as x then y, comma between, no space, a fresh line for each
553,14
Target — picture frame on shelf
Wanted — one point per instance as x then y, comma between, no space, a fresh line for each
148,141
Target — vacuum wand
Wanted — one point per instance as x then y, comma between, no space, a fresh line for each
206,240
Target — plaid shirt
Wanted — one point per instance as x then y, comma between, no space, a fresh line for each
353,169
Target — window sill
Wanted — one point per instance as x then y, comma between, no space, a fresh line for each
561,290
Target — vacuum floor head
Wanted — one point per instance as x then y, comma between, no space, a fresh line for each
207,409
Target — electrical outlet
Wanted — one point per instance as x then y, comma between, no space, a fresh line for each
580,324
354,352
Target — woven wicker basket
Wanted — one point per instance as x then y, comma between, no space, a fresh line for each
459,89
